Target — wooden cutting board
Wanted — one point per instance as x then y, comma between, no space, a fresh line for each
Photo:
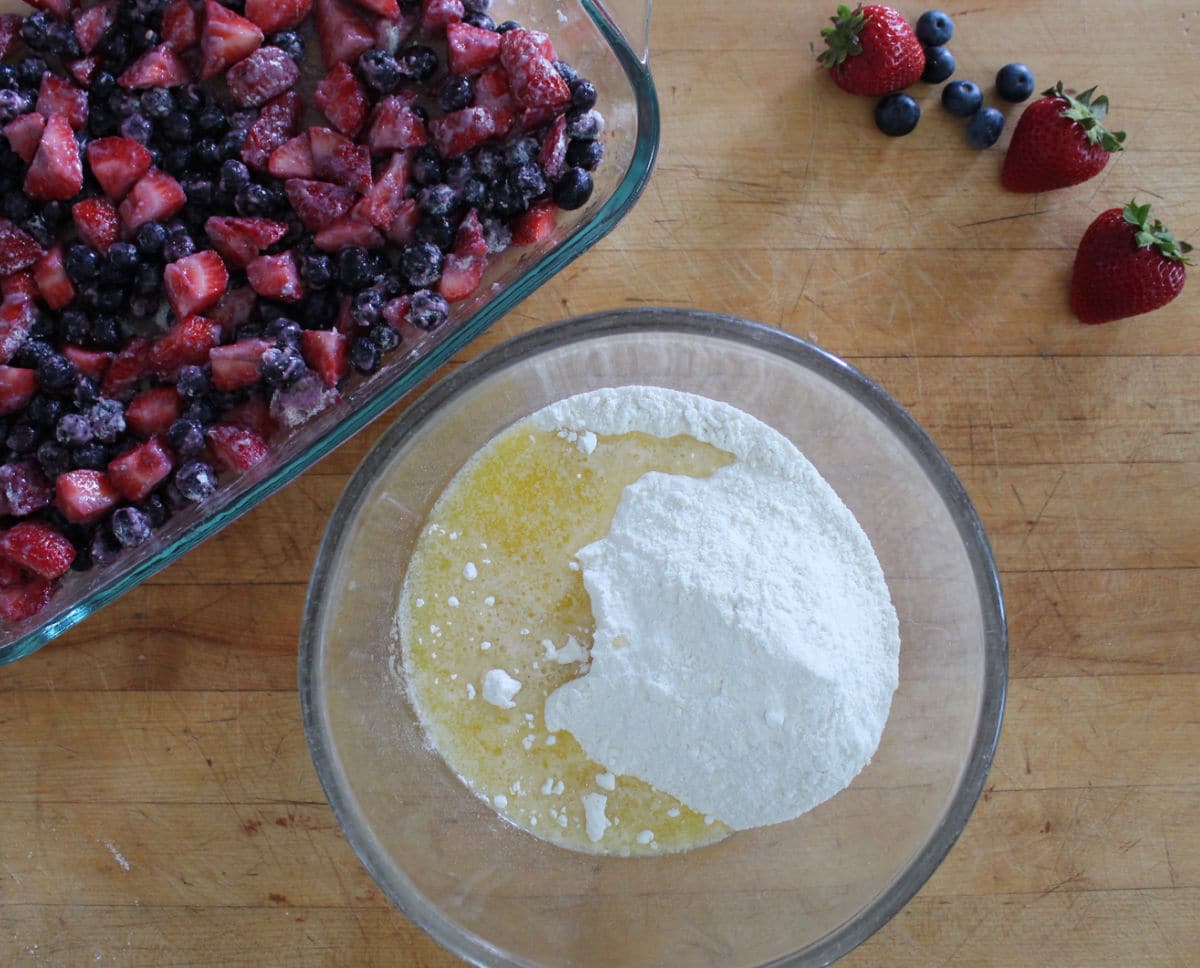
157,803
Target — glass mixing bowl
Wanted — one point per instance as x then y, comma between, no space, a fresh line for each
586,35
802,892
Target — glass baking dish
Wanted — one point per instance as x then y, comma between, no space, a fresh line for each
588,36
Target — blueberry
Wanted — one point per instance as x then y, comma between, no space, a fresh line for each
585,153
934,28
85,392
186,437
44,411
147,279
585,124
30,71
22,438
897,115
285,332
573,189
73,429
507,25
421,263
291,42
962,98
521,151
179,127
234,176
76,326
82,262
106,334
496,234
364,356
473,192
108,420
206,153
211,120
983,130
480,20
192,382
506,201
436,199
137,127
150,238
254,201
426,166
354,267
384,337
939,64
55,372
367,308
157,103
381,71
35,31
124,256
528,180
477,6
36,226
427,310
17,205
110,299
436,230
104,548
156,510
130,527
455,93
281,366
14,103
316,271
418,62
1014,82
54,458
179,245
92,456
583,95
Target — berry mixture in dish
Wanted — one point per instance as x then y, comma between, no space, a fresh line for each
213,215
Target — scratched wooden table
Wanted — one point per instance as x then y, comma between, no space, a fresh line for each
157,803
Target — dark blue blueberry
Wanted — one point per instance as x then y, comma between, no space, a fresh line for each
36,226
91,456
426,166
897,114
934,28
108,420
367,307
74,430
364,355
458,169
281,366
190,98
150,238
477,6
186,437
939,65
22,438
30,71
253,201
63,42
106,334
54,458
44,411
585,124
17,205
123,103
85,392
35,31
573,189
231,144
583,95
130,527
474,193
82,262
480,20
143,308
962,98
417,62
567,72
489,161
104,548
1014,82
192,382
76,326
56,372
984,128
138,128
147,279
454,93
506,201
384,337
436,199
354,267
211,120
156,510
496,234
320,308
529,180
285,332
14,103
421,263
427,310
291,42
316,270
56,213
206,153
179,245
505,26
157,103
178,160
381,71
521,151
8,77
234,176
110,299
103,84
586,154
124,256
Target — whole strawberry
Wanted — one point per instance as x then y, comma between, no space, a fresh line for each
1126,265
872,51
1059,141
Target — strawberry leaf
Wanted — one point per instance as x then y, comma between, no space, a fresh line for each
1154,233
842,37
1089,114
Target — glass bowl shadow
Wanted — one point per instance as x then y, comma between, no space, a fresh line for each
798,893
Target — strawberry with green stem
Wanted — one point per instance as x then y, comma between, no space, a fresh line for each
872,50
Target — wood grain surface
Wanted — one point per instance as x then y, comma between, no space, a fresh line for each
157,802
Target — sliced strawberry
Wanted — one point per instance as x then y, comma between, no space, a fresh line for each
97,223
236,365
20,283
127,369
187,343
241,240
24,600
339,160
277,122
24,488
17,387
343,99
24,134
342,33
461,275
155,198
91,25
553,154
534,79
235,448
346,323
10,31
85,496
327,352
136,473
395,312
535,224
153,411
437,15
276,15
404,225
57,95
16,319
391,33
471,49
118,164
459,131
233,309
492,91
60,8
91,363
53,283
265,74
253,414
195,282
180,25
276,277
83,70
225,39
293,159
318,203
385,8
56,172
18,249
10,576
469,240
345,232
37,547
395,126
381,204
158,67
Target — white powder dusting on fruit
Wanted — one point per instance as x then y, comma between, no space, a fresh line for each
746,648
499,688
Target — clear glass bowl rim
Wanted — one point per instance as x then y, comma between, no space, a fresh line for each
664,319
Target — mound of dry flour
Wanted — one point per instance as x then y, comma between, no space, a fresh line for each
746,648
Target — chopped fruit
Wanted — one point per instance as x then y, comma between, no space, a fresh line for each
535,224
17,388
235,448
276,125
24,134
54,286
59,96
395,126
385,8
254,414
127,369
339,160
16,319
233,309
461,275
381,204
318,203
155,198
241,240
872,50
225,39
38,548
24,488
85,496
18,249
118,164
276,277
471,49
492,91
326,351
60,8
181,25
10,31
91,363
296,404
342,32
24,600
237,365
534,79
469,239
187,343
437,15
1059,141
553,154
460,131
1126,265
136,473
56,172
10,575
97,223
347,232
276,15
293,159
83,70
194,283
343,99
160,67
404,225
20,283
153,410
266,73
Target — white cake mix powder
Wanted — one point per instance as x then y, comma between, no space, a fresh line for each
746,648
